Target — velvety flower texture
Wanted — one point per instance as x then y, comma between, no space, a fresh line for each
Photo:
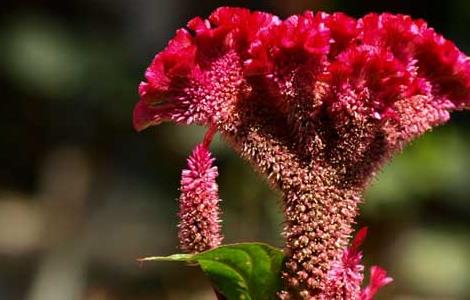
345,276
317,103
199,227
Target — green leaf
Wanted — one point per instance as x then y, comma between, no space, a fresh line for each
246,271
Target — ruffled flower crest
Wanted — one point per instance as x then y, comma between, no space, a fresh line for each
395,52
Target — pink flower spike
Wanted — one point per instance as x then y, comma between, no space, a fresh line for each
346,274
378,279
199,227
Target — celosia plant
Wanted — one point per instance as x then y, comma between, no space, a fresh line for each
316,103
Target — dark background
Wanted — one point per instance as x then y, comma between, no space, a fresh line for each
82,195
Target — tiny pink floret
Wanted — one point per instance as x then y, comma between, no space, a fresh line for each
347,274
378,279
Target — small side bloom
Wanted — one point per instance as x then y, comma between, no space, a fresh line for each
346,274
199,227
378,279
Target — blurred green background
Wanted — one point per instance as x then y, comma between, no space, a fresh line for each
82,195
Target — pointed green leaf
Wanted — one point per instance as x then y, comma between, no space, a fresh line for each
246,271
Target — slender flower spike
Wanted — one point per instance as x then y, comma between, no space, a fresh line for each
199,227
316,103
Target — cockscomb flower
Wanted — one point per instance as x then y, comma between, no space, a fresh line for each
199,227
317,103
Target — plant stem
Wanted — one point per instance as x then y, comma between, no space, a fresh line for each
219,295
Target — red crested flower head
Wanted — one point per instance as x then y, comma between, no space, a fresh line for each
373,66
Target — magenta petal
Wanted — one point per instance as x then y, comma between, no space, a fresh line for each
145,115
378,279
